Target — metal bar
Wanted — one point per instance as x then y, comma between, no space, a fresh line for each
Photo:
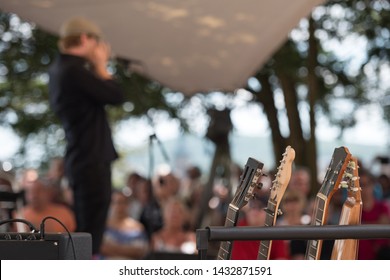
299,232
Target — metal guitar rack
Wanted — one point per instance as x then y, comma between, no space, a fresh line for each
203,236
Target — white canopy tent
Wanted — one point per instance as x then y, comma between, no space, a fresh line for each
189,46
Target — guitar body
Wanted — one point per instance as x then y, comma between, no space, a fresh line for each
347,249
331,183
249,180
277,191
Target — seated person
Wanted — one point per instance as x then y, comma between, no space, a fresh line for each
172,237
124,237
375,211
39,205
7,199
293,206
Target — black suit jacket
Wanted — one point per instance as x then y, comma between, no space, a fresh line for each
78,97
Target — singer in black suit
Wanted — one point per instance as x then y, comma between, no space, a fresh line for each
79,89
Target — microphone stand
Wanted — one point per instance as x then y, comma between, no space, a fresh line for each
153,137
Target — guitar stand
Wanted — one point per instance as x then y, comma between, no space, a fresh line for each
203,236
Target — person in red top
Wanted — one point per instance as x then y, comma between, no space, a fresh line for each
374,212
254,215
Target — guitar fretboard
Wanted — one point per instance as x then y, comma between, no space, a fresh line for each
270,219
314,246
225,248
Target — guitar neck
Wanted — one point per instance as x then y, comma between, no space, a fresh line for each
351,212
225,248
270,220
313,250
332,182
276,193
347,249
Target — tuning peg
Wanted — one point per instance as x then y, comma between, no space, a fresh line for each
349,175
355,189
280,212
343,184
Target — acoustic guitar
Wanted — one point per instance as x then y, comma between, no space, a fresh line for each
331,183
351,213
249,180
279,186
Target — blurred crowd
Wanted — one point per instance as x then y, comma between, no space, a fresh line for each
157,218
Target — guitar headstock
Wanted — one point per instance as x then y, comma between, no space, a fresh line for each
334,174
282,177
249,180
350,180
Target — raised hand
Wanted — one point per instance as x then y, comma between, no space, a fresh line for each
99,57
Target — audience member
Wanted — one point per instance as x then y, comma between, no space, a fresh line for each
374,212
191,192
140,189
7,198
293,208
164,186
39,205
124,237
25,178
131,181
143,198
300,180
384,181
173,237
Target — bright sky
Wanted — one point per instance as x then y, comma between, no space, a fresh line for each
370,130
248,121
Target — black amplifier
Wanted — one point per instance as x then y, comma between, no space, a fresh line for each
53,246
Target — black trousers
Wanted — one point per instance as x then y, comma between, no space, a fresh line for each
92,188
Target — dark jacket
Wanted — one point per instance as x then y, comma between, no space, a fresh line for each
78,97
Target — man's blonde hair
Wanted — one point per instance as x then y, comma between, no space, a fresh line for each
69,42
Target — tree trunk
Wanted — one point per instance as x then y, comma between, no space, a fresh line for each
266,97
296,139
